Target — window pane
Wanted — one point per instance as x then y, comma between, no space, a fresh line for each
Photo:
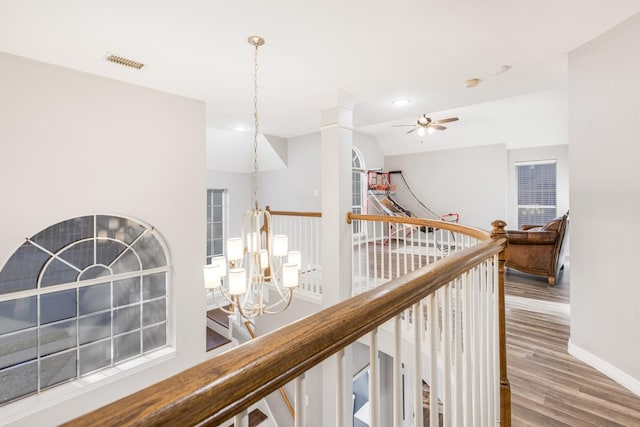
18,381
154,286
57,306
58,337
150,252
94,327
126,291
126,319
216,197
64,233
18,314
218,247
217,213
154,312
20,273
94,272
19,347
118,228
154,337
57,368
536,184
95,356
57,273
79,255
126,346
108,250
128,262
95,298
535,216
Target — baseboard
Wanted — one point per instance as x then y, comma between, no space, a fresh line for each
619,376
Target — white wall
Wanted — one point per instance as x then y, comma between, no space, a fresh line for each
469,181
560,153
238,186
71,144
298,187
604,149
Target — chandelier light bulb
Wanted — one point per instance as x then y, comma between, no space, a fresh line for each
234,248
237,281
212,276
290,275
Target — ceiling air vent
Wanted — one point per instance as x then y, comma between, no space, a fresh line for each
124,61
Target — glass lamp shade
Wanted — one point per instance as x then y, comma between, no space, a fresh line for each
295,258
421,131
234,248
212,276
252,242
280,245
430,131
264,259
237,281
289,275
221,263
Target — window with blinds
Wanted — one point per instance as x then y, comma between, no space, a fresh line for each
216,201
536,186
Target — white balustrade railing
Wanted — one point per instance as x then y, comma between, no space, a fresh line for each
442,324
304,231
454,347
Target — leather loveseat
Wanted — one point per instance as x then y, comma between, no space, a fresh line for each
539,249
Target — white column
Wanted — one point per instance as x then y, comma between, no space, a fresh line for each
336,144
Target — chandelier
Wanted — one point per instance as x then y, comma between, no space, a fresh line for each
257,263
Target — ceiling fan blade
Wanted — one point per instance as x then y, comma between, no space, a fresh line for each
398,126
437,127
450,119
413,130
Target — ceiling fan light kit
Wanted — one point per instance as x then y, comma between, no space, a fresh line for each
424,124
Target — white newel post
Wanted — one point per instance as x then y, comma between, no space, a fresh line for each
336,144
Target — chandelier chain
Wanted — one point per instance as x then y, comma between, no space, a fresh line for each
255,127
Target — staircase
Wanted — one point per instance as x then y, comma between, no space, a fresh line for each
217,329
218,341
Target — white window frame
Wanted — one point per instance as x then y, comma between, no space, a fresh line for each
211,234
357,167
517,166
114,366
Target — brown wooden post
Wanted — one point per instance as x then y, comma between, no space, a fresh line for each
499,231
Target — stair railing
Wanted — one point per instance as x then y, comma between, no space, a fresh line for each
304,230
226,385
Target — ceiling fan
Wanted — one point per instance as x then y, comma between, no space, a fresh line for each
425,124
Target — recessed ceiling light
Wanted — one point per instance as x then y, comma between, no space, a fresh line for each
401,102
240,129
472,83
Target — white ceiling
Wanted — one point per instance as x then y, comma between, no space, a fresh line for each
376,50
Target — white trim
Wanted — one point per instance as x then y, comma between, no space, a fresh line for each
536,162
616,374
29,405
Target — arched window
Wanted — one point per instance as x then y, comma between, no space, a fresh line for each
358,197
81,295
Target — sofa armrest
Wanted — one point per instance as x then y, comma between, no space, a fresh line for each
532,237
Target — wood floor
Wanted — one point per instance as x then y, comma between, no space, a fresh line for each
549,387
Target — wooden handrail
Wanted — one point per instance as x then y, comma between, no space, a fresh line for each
292,213
283,394
215,390
423,222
